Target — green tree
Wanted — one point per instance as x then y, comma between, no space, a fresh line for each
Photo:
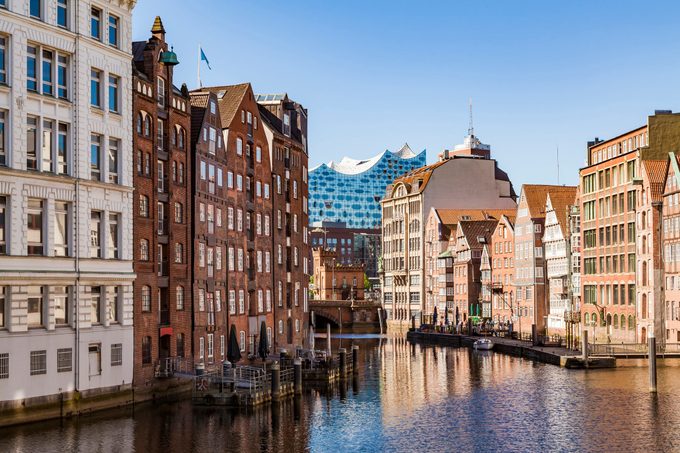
367,283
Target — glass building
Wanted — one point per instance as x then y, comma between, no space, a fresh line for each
349,191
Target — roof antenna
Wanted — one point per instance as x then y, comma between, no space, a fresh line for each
471,129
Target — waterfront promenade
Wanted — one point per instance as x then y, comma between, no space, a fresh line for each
554,355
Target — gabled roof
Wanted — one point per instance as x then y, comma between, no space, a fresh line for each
229,98
656,173
275,123
536,195
453,216
199,105
560,201
422,173
475,229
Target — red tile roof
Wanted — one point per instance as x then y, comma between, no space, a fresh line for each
656,173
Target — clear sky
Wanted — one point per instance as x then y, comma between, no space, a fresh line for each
375,74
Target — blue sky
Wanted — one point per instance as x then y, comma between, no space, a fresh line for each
375,74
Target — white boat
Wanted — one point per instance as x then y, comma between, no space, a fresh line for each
483,345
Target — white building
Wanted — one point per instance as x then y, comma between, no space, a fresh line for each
65,199
555,242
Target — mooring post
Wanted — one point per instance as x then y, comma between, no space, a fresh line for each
328,339
355,359
276,380
584,347
342,352
651,344
534,335
297,376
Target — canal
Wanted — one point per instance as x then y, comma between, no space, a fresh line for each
405,398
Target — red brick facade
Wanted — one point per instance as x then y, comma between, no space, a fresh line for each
162,307
210,210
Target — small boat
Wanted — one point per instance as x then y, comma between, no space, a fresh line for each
483,345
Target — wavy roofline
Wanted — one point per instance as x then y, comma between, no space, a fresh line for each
366,164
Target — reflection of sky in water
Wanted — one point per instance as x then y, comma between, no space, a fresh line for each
407,398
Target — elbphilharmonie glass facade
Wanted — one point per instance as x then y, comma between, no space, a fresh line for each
350,190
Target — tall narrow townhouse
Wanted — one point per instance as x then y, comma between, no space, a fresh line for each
502,253
212,219
285,126
249,194
530,266
66,190
671,252
472,236
557,256
622,281
464,178
163,316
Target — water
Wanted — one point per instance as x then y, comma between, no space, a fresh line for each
406,398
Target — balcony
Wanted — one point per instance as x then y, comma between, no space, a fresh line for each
250,206
250,244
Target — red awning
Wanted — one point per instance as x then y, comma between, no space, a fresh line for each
166,331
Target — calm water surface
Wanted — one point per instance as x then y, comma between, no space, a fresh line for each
406,398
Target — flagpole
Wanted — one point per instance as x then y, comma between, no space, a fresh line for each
199,66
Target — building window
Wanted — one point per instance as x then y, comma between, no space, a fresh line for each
4,365
179,213
180,345
35,9
32,143
179,297
62,13
144,249
146,298
3,60
112,240
61,228
3,137
34,220
114,149
64,360
113,30
146,350
143,206
114,84
38,360
160,95
3,291
241,301
96,23
95,304
242,340
112,296
179,252
96,88
36,303
95,232
117,354
95,157
239,146
160,135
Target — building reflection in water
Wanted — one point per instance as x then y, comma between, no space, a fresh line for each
404,398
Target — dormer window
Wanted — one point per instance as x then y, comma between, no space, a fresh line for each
213,108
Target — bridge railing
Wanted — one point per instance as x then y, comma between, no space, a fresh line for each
610,349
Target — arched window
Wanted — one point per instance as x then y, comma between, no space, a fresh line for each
140,120
173,137
643,313
593,320
609,320
644,244
146,298
179,297
644,220
631,322
644,273
587,319
181,138
147,125
144,250
616,321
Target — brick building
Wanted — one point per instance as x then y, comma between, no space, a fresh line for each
471,238
211,216
620,260
670,313
285,126
249,223
162,180
501,257
334,280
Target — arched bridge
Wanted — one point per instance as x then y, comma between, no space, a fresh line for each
350,315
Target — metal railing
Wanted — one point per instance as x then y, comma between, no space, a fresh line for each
610,349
